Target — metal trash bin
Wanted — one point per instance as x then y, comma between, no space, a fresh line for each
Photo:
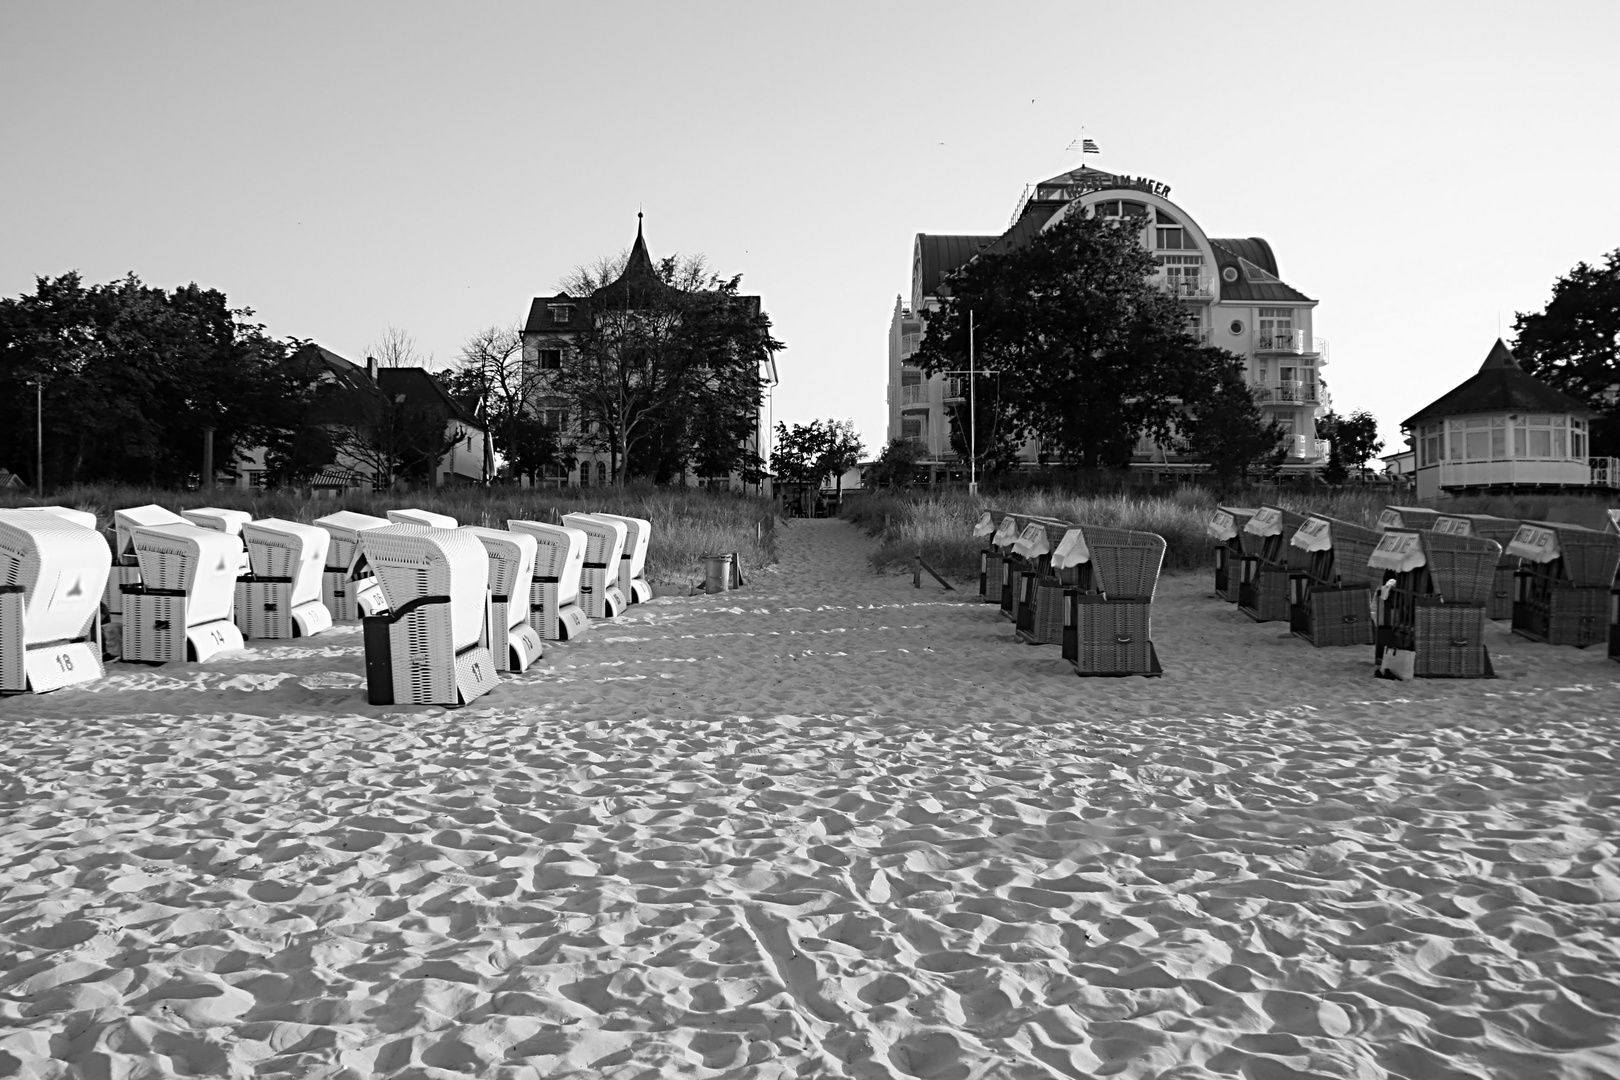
717,570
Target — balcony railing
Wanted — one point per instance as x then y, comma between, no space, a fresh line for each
912,394
908,344
1283,341
1288,393
1189,287
1605,472
955,389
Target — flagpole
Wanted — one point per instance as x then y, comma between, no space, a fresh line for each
973,417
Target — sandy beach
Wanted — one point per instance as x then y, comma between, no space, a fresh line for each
828,825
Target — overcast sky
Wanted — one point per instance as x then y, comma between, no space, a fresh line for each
1424,170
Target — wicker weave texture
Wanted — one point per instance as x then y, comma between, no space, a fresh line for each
1108,636
1450,641
1263,594
990,575
1563,614
1461,568
1339,615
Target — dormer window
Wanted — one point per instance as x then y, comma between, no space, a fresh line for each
561,313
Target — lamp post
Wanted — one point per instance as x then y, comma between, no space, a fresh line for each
39,437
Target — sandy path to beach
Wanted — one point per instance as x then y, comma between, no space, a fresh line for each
829,825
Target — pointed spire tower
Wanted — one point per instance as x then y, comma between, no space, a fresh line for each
639,285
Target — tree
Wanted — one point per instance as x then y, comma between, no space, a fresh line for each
1355,438
896,466
395,437
1224,428
1091,353
1574,344
492,377
133,376
995,438
841,451
664,346
397,348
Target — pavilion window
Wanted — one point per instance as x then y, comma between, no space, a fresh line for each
1577,438
1431,444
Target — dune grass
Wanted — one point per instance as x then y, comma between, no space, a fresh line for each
688,523
940,526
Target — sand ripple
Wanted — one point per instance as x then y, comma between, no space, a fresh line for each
829,826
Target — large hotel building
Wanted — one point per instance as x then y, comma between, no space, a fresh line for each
1231,288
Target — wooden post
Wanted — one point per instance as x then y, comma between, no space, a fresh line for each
208,459
916,571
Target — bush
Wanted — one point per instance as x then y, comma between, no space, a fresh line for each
688,523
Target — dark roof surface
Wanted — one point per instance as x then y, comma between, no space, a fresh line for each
943,254
1253,252
419,385
639,282
1500,385
540,320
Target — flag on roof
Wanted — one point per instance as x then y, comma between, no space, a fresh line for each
1087,146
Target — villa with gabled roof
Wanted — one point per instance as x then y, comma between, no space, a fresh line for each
1232,289
549,332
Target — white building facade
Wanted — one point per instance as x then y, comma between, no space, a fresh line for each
1231,289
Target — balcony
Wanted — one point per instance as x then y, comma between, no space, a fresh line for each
914,395
1289,342
1188,287
1288,393
908,344
955,389
1305,448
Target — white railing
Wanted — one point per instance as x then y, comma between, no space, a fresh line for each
909,343
1605,471
1570,473
913,394
955,389
1286,393
1190,286
1283,341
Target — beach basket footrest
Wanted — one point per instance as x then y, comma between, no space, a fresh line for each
1263,590
1333,615
1109,635
1577,616
1437,641
1040,619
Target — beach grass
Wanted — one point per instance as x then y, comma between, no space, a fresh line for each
688,523
939,526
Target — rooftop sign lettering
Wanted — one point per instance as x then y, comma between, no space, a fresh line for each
1076,188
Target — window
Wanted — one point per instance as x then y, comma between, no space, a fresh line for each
561,313
585,475
1430,445
1183,274
601,473
1577,438
256,478
550,359
1168,235
911,427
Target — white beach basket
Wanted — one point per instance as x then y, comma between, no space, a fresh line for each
633,562
422,517
559,562
349,591
431,647
53,572
599,591
183,607
281,597
126,568
511,577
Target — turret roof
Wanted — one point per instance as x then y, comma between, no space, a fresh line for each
1500,385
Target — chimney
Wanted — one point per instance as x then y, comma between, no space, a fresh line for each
371,368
